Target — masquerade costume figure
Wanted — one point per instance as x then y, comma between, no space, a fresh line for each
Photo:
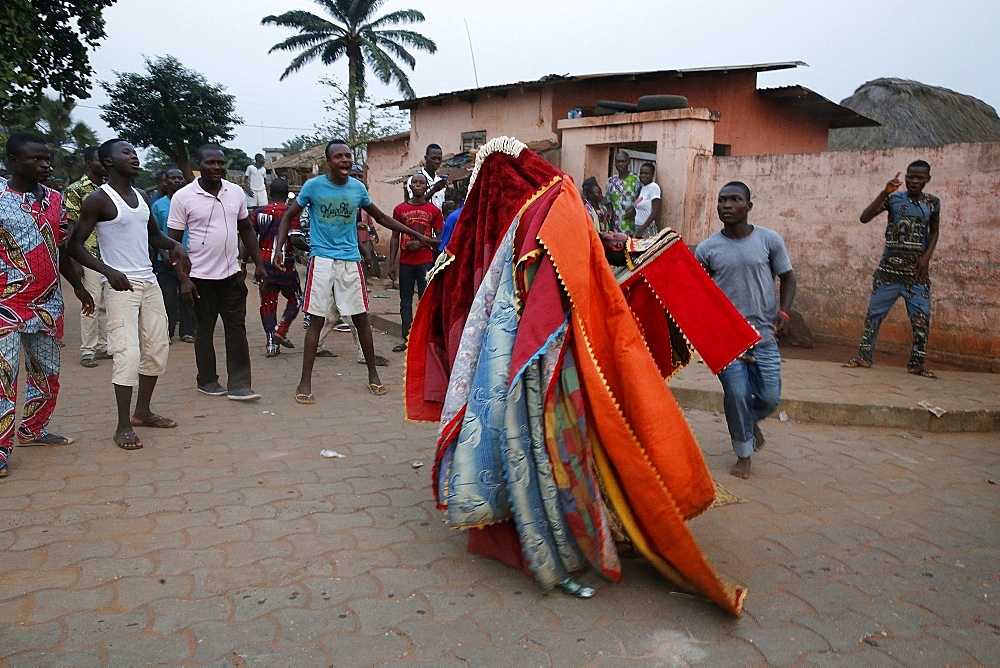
553,410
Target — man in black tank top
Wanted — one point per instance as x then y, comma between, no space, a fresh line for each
137,319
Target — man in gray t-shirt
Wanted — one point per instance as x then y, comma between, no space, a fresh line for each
743,260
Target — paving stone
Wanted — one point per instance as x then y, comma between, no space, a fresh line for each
85,629
785,645
57,660
51,604
267,657
297,626
980,640
175,562
431,641
176,614
95,572
929,650
216,639
503,655
134,592
365,650
257,602
338,591
446,603
149,651
21,637
17,583
843,633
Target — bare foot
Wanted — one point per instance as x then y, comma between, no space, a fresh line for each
741,469
304,389
758,438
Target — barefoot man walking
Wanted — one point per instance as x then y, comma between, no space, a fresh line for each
743,260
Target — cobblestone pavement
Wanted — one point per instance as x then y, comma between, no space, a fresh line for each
231,542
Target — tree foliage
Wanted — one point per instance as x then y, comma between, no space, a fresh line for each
371,121
53,120
172,108
366,40
45,44
299,143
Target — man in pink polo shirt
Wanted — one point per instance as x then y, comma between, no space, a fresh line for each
214,213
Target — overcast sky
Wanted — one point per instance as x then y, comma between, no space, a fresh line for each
845,42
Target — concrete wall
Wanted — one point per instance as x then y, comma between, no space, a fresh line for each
814,201
681,136
749,123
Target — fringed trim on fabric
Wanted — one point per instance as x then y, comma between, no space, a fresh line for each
508,145
443,260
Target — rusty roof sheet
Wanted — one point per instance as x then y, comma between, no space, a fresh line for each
554,79
814,104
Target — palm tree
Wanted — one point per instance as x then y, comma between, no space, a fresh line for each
366,41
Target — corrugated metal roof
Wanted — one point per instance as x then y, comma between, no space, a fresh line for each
814,104
554,79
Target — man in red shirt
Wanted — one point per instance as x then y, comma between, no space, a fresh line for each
409,260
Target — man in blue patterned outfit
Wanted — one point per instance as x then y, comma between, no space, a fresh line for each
904,271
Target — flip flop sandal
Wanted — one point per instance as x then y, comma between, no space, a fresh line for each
44,439
306,399
856,363
128,441
400,348
155,421
921,371
377,389
325,353
88,361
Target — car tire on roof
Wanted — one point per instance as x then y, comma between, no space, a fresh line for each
661,102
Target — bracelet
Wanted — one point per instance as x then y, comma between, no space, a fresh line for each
787,317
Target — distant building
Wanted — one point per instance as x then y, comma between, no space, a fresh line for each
560,117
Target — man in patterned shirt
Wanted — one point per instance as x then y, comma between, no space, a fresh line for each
32,227
93,326
622,189
282,279
904,271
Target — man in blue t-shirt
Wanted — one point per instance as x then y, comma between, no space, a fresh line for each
743,260
336,276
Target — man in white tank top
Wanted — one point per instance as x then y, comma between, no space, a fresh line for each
137,319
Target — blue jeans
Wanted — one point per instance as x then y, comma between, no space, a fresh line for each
752,391
918,308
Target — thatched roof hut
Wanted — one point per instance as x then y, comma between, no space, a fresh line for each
915,114
300,167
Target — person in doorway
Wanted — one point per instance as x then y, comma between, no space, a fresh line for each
409,260
911,235
137,318
93,326
743,260
622,189
214,213
641,218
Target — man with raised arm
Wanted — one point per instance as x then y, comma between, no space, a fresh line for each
336,277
